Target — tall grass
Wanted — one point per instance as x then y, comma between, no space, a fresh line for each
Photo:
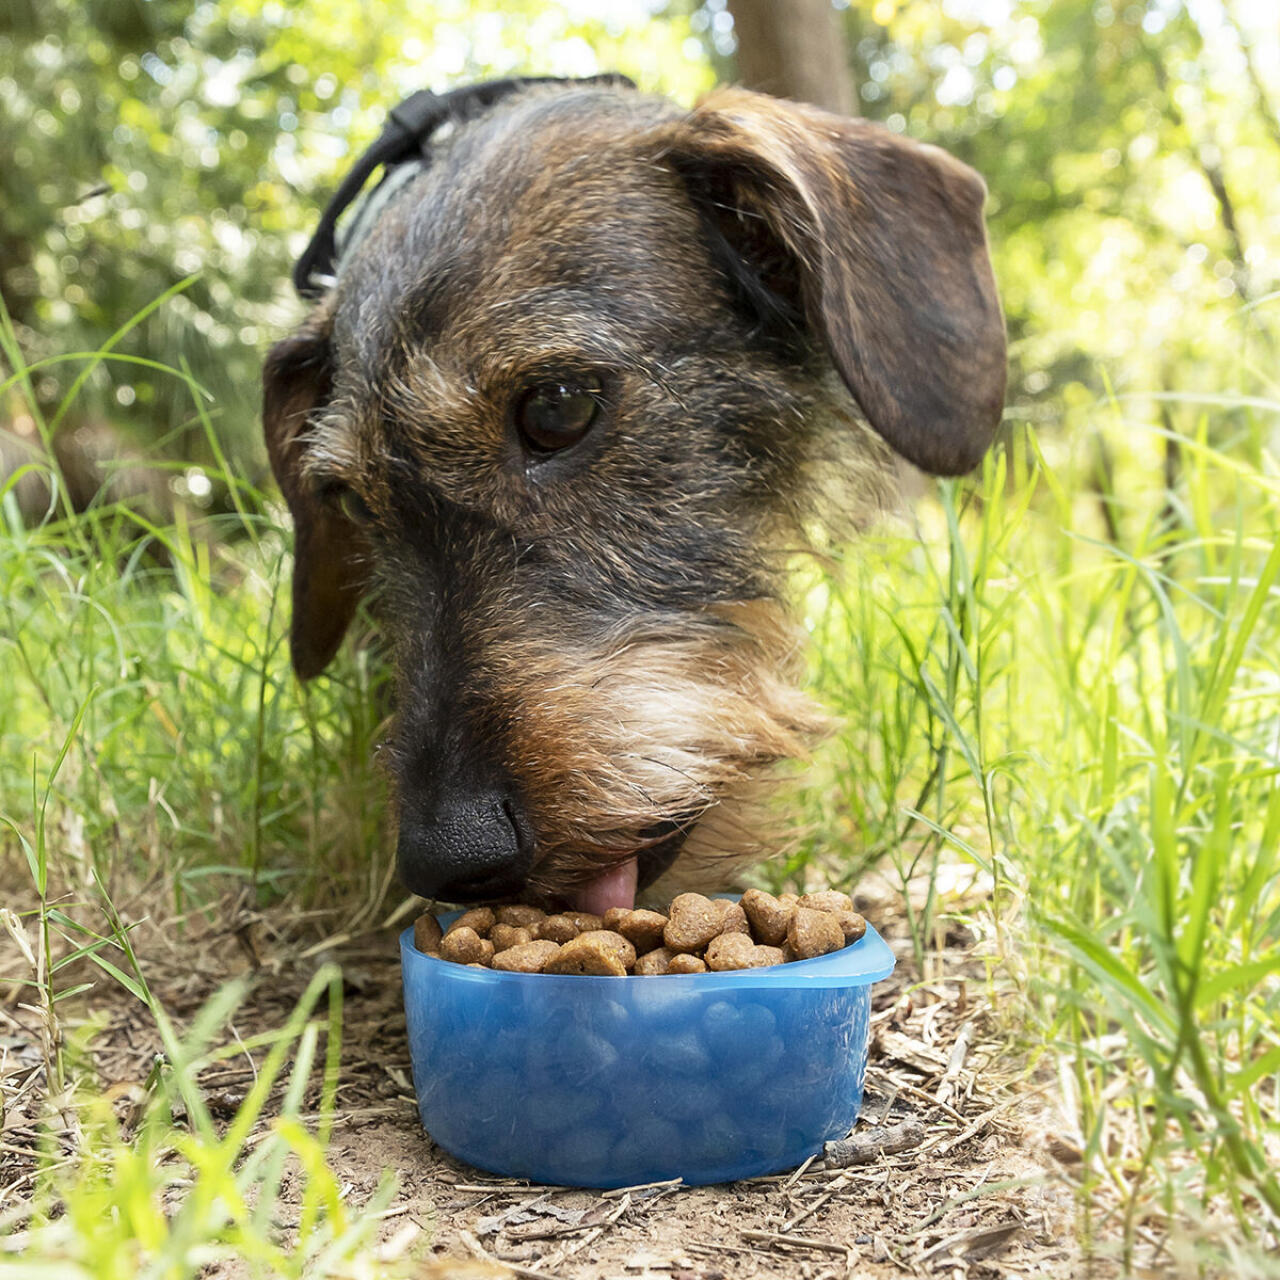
1094,725
199,755
1075,694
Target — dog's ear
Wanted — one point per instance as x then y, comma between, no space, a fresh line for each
878,243
327,547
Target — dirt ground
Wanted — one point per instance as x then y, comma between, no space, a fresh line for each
986,1194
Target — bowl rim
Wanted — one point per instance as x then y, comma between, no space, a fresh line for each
861,963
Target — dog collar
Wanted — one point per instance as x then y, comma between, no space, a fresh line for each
403,149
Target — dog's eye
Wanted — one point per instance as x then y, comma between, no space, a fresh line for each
342,497
554,415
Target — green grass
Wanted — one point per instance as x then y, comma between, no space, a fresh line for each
1076,694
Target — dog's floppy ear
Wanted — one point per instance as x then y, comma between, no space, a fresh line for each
880,241
327,578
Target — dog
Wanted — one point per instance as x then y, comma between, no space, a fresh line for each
586,373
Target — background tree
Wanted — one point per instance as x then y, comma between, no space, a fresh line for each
1130,151
794,49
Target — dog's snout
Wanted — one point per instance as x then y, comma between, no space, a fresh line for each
469,846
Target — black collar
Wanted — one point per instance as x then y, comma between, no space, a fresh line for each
405,140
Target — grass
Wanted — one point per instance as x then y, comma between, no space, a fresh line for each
1073,694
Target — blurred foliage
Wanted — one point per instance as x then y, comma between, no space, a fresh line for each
1130,149
150,139
1132,152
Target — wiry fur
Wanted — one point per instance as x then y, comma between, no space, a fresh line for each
601,635
659,717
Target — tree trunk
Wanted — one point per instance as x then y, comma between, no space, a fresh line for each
794,49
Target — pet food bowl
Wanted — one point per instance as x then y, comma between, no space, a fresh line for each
613,1082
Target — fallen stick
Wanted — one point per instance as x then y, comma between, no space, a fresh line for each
862,1148
802,1242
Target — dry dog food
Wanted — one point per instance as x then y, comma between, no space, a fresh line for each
695,935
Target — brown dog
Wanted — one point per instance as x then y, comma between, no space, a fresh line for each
585,376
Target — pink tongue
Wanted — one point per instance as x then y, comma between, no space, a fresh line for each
614,888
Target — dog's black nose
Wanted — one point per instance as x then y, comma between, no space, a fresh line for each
466,847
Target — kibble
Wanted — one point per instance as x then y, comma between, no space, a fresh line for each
466,946
814,933
697,935
654,962
558,928
610,941
427,933
520,917
480,919
506,936
692,923
589,956
839,905
643,929
526,957
768,916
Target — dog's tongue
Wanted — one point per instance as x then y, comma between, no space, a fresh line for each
613,888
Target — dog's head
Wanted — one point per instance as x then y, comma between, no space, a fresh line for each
566,410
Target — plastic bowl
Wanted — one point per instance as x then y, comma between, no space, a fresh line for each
613,1082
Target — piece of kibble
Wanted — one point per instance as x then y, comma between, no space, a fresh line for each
614,917
557,928
826,900
839,905
737,951
505,936
521,917
585,920
654,962
814,933
768,916
614,942
526,957
480,919
643,929
731,951
685,963
427,934
582,956
466,946
732,917
692,923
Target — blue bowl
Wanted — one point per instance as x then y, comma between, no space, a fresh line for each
612,1082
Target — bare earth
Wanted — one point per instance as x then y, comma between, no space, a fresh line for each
987,1193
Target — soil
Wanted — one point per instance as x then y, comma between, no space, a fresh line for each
987,1193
